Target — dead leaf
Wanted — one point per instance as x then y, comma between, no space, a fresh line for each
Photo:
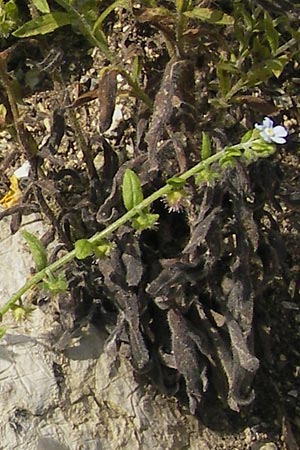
107,92
257,104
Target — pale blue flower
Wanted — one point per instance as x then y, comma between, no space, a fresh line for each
269,133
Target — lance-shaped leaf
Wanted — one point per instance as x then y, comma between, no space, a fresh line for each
131,190
2,331
55,285
117,4
41,5
44,24
205,146
37,250
176,182
107,92
145,221
181,5
210,15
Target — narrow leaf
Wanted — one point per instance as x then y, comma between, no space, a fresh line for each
205,147
136,68
181,5
155,15
145,221
131,190
37,250
247,136
176,182
41,5
103,249
271,33
2,331
55,285
210,15
44,24
117,4
107,92
276,66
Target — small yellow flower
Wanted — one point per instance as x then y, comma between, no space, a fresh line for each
13,195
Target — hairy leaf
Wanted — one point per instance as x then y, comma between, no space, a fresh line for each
107,92
55,285
205,146
44,24
131,190
210,15
41,5
83,248
271,33
37,250
117,4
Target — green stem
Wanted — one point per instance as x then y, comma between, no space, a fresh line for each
102,45
35,279
85,29
138,209
138,92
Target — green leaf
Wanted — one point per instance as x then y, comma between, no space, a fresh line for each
224,81
232,152
260,49
247,136
271,33
240,13
136,68
228,160
210,15
37,250
83,248
181,5
144,221
206,175
227,66
131,190
276,66
44,24
41,5
262,146
205,146
21,313
258,75
250,155
103,249
9,17
176,182
117,4
55,285
2,331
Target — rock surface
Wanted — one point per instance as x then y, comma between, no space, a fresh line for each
78,396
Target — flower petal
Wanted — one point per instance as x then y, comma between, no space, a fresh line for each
259,127
268,123
280,131
278,140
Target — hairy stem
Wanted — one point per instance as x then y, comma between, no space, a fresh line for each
98,237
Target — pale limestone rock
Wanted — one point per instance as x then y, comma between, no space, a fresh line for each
79,395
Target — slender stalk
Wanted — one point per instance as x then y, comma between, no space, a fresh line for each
102,45
134,212
64,260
